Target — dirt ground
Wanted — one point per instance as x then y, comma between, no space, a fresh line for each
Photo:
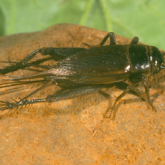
74,132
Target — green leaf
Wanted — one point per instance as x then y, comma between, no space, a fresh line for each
142,18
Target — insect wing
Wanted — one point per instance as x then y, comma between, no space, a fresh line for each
102,65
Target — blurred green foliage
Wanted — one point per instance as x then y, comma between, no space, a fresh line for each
142,18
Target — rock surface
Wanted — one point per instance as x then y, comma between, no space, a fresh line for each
74,131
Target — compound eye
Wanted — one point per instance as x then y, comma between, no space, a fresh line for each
157,57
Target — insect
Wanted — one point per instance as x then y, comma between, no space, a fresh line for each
81,71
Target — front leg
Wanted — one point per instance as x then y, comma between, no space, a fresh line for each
111,112
148,95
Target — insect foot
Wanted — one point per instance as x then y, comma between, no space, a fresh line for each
7,105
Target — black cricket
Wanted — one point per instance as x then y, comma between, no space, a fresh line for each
81,71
